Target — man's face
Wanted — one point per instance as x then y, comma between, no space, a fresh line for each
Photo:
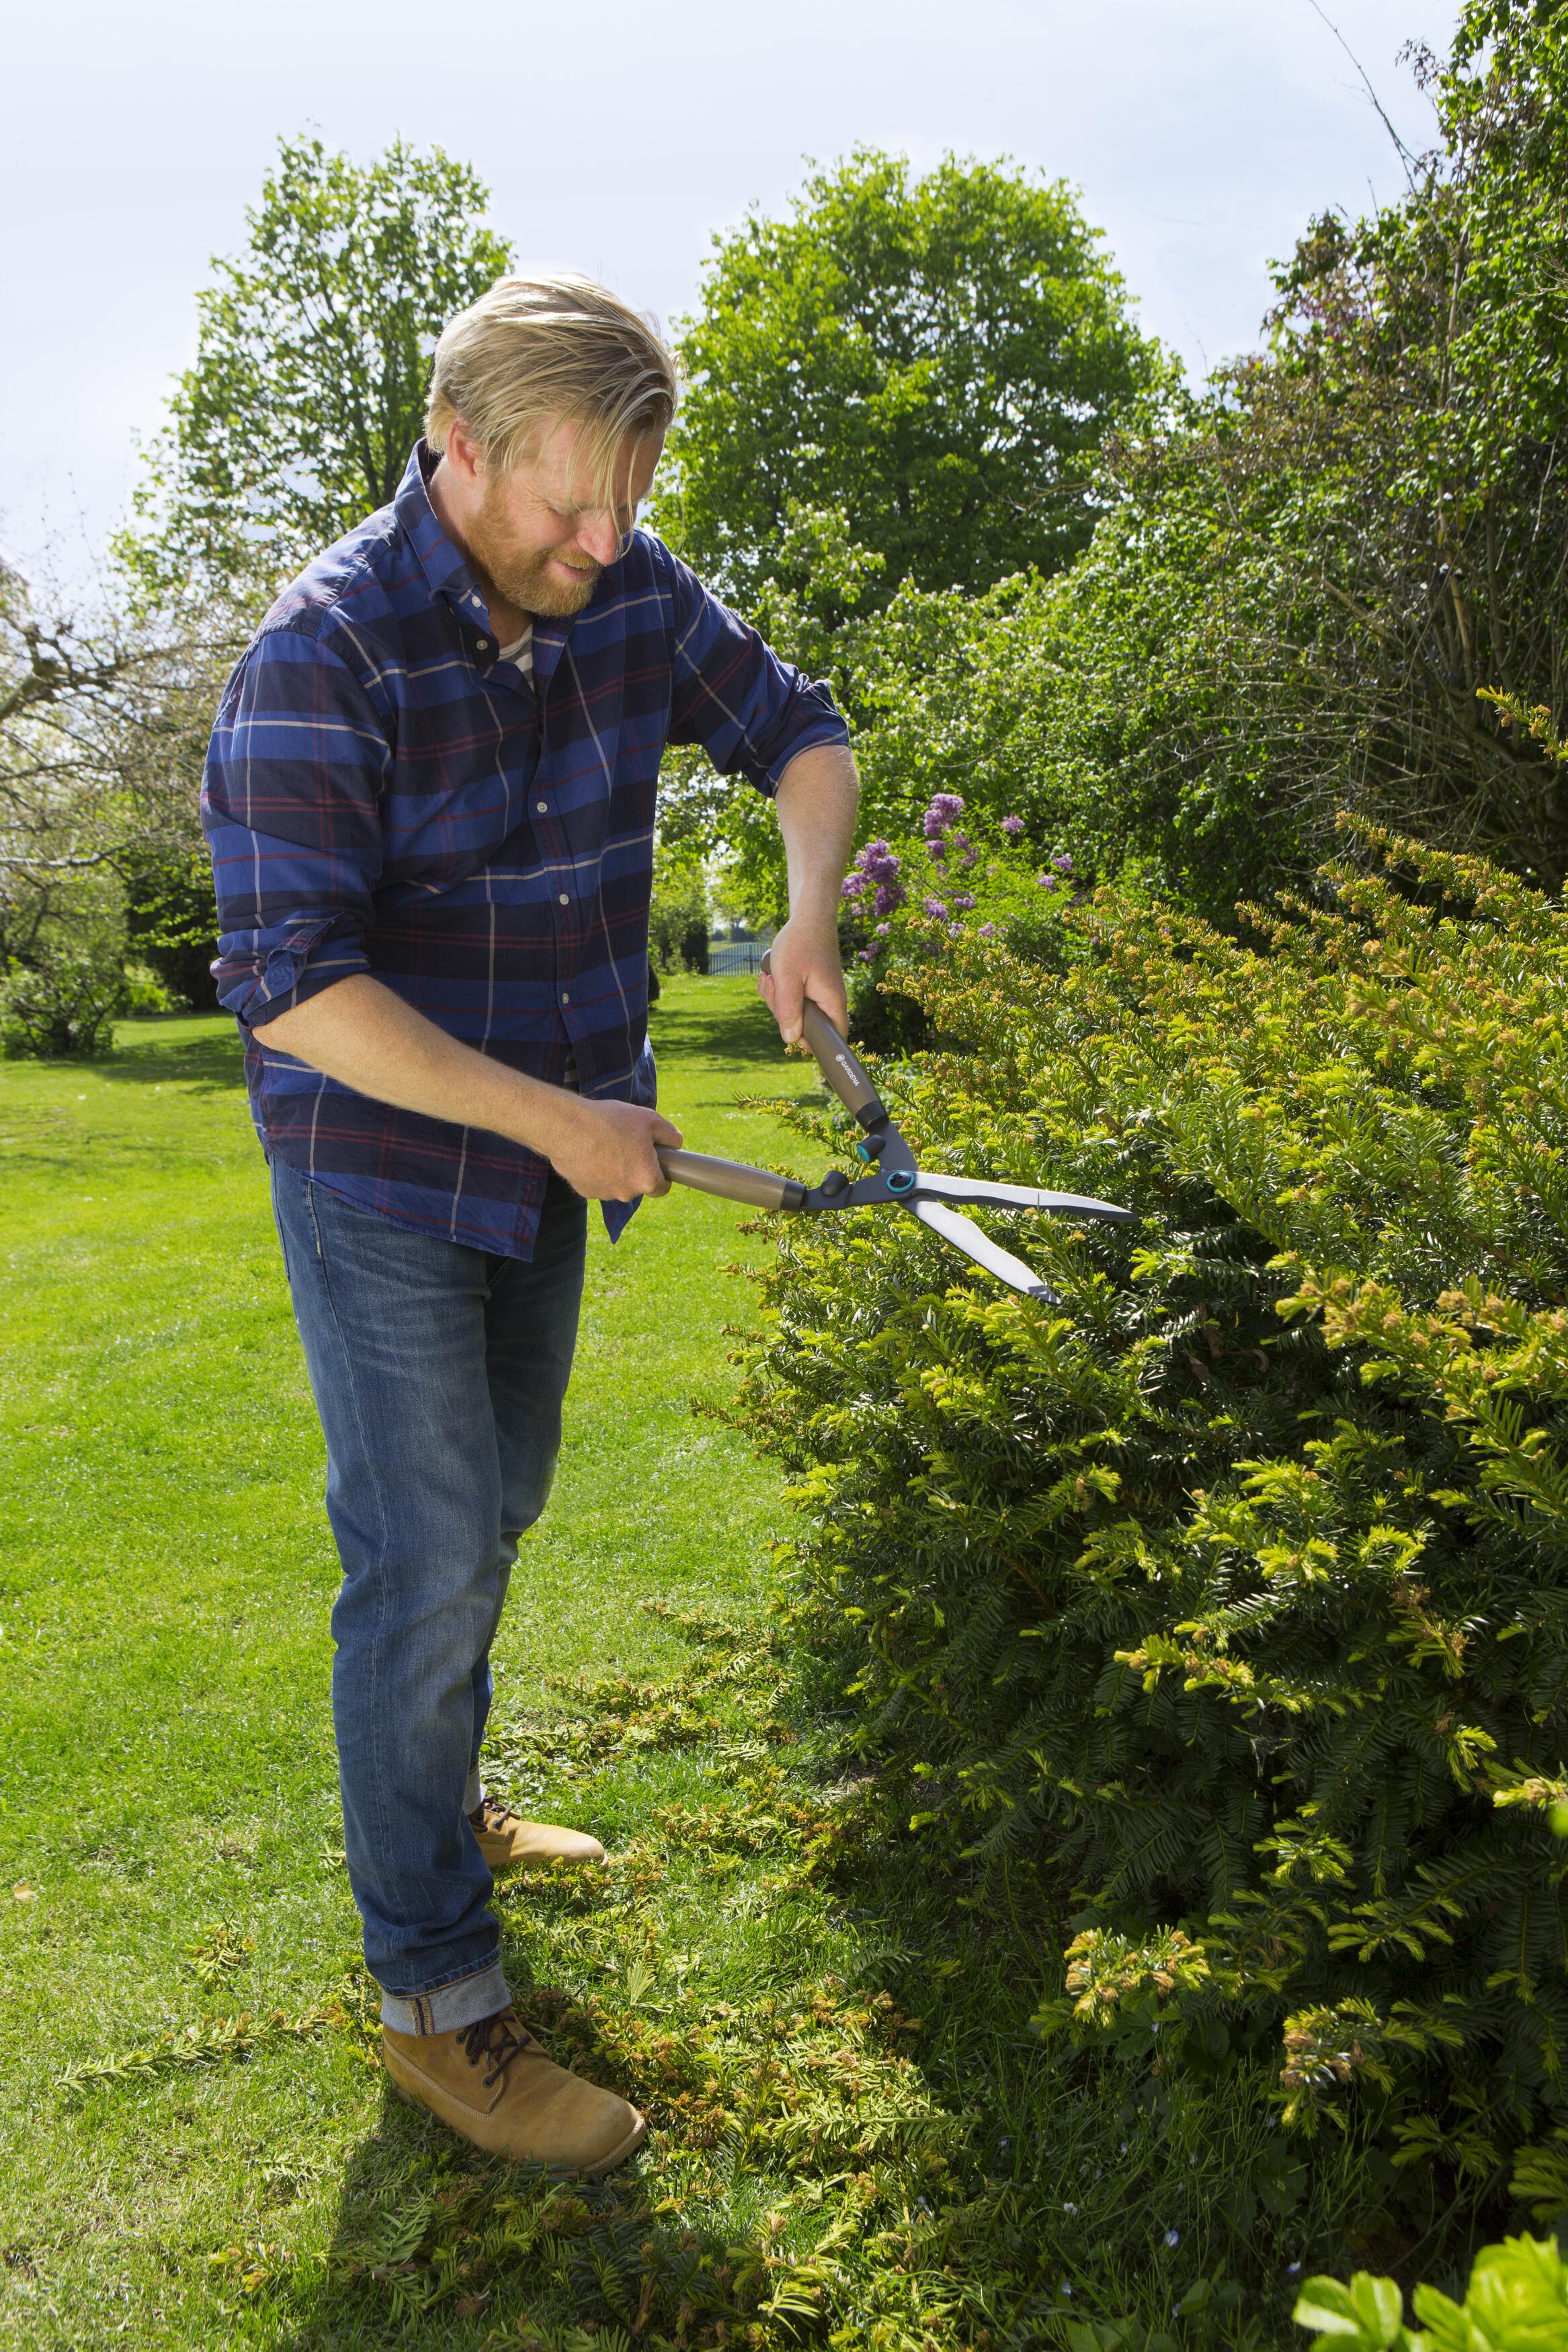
537,536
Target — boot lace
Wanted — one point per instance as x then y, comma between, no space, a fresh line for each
494,2042
492,1813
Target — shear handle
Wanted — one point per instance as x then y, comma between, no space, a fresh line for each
839,1064
733,1180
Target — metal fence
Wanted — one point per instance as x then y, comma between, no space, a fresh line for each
726,958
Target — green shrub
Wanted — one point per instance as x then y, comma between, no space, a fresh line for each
1517,2302
678,916
65,998
172,924
1235,1595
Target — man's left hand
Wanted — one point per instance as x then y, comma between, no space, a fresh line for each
803,960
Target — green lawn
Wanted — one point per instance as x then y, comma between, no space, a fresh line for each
165,1578
857,2140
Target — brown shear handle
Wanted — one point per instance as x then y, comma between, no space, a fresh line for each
733,1180
838,1062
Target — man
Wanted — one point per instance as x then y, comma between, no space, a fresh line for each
430,801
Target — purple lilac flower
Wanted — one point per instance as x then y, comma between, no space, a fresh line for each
988,931
954,930
878,866
937,850
966,853
869,955
944,810
963,899
1045,881
854,886
935,907
1063,863
883,930
1012,825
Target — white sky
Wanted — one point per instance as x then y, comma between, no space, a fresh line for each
618,137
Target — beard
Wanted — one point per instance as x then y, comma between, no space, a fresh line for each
524,580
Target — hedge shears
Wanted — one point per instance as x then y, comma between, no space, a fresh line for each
893,1180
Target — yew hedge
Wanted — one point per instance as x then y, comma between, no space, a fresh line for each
1234,1592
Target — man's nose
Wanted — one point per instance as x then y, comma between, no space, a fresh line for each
598,535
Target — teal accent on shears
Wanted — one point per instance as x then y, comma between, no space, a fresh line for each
900,1180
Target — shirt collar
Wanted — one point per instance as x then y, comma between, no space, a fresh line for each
439,559
449,575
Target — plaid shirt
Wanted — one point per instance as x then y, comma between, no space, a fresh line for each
383,794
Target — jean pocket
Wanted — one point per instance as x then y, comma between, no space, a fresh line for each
284,1175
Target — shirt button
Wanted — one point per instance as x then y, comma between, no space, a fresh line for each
565,900
483,644
566,996
543,807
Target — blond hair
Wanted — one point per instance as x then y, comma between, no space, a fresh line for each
537,352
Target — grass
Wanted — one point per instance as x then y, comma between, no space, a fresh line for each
858,2139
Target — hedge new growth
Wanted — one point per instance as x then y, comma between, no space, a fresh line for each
1235,1589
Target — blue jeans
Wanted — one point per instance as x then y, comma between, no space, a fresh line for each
438,1372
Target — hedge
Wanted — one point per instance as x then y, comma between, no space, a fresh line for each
1231,1593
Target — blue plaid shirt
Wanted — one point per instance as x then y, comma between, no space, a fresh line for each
383,794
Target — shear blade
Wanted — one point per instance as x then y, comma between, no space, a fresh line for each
965,1234
1017,1196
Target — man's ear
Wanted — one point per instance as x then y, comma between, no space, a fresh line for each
463,453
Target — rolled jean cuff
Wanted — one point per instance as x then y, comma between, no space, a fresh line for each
474,1794
450,2008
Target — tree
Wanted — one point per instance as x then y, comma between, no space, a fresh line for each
1336,578
937,359
101,729
312,361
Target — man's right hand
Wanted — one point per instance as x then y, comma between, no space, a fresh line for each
606,1149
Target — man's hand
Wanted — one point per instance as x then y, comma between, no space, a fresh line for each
803,960
605,1149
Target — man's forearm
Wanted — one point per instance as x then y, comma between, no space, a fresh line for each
816,800
366,1037
361,1034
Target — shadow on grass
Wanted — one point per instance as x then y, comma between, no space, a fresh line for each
726,1026
434,2237
201,1051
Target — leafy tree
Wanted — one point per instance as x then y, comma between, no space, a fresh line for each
678,916
312,362
937,359
102,730
1337,578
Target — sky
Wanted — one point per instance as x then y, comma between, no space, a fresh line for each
1202,134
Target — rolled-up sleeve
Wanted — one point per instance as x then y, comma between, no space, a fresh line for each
751,712
291,807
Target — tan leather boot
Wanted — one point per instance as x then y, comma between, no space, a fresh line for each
493,2083
507,1842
